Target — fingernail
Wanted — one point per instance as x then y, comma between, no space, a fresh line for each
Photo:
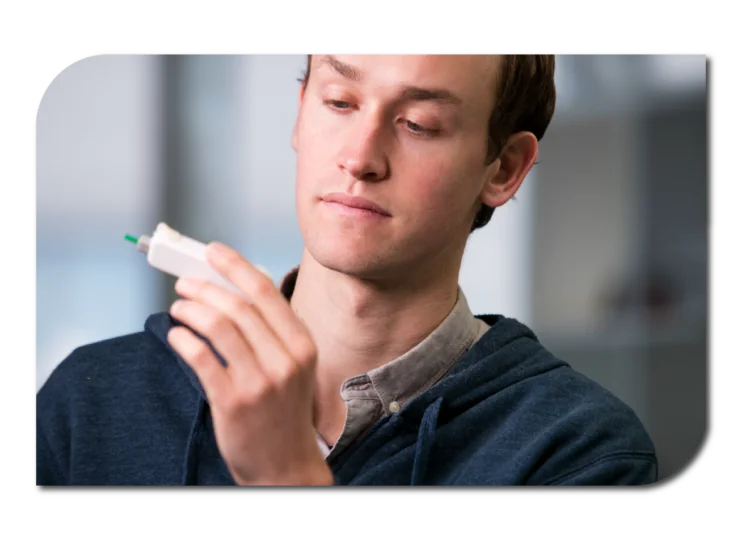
218,248
216,253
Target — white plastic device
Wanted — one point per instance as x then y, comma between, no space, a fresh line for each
178,255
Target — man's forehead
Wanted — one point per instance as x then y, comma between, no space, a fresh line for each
465,74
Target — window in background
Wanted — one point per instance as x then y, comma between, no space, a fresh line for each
98,176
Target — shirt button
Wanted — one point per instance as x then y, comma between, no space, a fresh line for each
394,407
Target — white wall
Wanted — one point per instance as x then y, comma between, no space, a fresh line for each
98,144
97,179
496,272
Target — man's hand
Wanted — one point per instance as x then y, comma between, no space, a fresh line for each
262,402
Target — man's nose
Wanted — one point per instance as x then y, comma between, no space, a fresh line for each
362,154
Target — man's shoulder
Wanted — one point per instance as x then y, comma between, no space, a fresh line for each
123,395
529,372
573,397
120,354
589,434
581,426
539,404
123,364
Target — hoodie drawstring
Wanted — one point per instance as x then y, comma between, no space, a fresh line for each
425,441
189,463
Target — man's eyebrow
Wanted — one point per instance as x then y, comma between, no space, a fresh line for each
409,93
413,93
346,70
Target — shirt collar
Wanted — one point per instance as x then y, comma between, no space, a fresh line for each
421,367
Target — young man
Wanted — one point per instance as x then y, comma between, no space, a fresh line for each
366,366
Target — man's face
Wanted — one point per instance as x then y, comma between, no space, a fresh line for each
405,133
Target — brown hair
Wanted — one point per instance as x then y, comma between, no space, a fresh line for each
525,100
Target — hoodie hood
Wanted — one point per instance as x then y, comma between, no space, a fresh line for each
506,354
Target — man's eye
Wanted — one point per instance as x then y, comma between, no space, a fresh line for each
417,128
337,104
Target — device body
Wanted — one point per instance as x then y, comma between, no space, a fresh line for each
178,255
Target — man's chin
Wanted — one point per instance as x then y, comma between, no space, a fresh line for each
351,266
359,253
352,262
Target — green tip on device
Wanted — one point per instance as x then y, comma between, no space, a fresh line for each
130,238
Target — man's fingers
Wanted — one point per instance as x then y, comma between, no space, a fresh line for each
201,359
269,352
223,335
267,299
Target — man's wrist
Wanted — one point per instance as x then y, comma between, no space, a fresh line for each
315,474
322,476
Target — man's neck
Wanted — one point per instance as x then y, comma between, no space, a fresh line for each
360,324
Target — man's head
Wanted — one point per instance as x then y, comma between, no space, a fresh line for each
437,141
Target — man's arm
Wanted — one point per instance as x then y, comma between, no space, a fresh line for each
616,470
47,467
54,418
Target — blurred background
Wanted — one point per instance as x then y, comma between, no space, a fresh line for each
604,253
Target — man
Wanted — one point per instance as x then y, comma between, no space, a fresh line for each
367,366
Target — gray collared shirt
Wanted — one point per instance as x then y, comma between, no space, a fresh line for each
388,388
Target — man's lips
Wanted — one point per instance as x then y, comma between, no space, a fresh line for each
355,202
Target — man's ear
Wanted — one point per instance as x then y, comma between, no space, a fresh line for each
506,174
298,114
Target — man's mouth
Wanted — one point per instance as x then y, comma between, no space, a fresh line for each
359,203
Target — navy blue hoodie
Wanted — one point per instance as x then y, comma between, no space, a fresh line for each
129,411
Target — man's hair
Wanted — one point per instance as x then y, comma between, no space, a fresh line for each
525,97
